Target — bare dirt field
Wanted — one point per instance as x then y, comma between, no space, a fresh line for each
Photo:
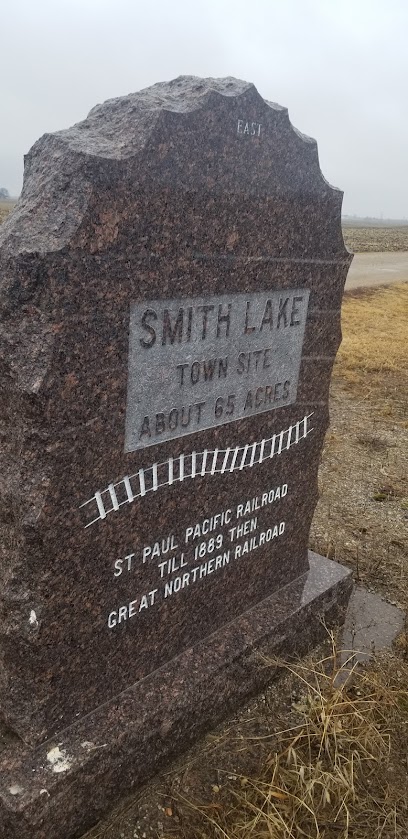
373,239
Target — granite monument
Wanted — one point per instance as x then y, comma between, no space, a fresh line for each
171,283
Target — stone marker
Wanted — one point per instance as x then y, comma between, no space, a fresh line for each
171,282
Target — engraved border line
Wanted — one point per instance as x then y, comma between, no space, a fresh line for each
208,462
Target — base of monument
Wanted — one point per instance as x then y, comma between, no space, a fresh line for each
61,788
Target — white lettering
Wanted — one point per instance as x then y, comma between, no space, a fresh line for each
257,541
123,613
243,529
252,129
118,568
260,501
205,553
206,526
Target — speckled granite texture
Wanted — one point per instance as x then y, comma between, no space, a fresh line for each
49,794
173,191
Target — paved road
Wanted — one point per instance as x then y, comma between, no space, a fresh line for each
371,269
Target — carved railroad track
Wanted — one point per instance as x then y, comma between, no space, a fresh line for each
193,465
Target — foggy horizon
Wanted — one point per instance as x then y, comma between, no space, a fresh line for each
340,69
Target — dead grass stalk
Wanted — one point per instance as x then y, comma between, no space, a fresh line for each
337,773
374,350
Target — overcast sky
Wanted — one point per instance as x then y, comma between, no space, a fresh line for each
340,66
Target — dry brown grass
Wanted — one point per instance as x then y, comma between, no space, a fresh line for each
323,757
5,208
362,514
374,351
338,771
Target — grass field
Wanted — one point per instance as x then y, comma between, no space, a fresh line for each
374,348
